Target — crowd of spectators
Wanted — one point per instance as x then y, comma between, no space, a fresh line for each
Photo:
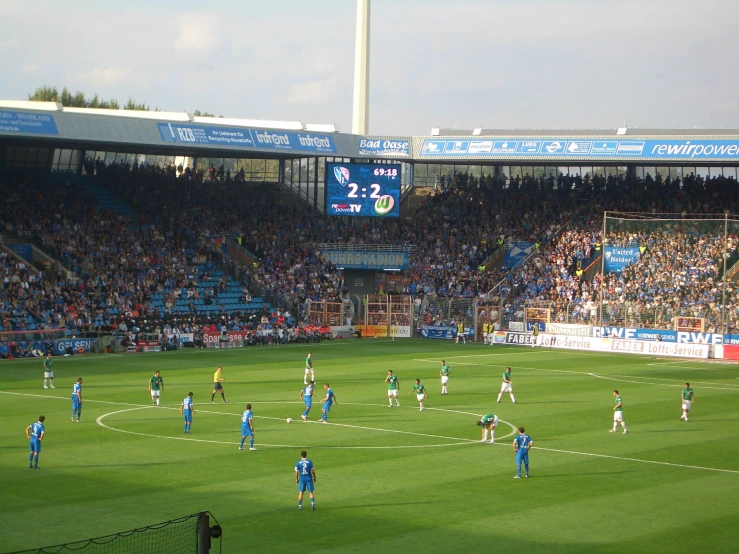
679,271
117,261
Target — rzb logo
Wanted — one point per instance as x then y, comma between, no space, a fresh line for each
384,204
342,175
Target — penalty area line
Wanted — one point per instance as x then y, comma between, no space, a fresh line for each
672,464
655,384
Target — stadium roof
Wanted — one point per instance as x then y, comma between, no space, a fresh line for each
181,133
172,116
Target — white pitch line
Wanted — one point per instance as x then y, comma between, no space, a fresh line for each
637,460
475,356
681,381
654,384
496,354
671,365
583,373
457,441
455,363
517,367
202,410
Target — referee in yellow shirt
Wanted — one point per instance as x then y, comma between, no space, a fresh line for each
217,386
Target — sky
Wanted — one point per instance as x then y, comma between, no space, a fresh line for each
503,64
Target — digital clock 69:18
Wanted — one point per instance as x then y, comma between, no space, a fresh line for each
392,172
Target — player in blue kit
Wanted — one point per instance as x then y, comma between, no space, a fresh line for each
305,476
306,395
77,399
247,428
328,401
521,446
35,433
187,410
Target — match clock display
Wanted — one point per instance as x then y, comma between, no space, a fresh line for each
363,190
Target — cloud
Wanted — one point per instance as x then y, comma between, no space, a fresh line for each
99,76
197,35
32,68
313,92
8,44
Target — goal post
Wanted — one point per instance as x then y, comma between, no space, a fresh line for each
668,271
387,315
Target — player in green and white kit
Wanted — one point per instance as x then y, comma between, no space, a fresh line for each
309,369
488,423
507,385
156,385
686,395
444,372
618,413
48,371
392,388
421,393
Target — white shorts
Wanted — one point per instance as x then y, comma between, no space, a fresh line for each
494,422
444,379
419,397
307,371
155,393
687,404
506,387
618,416
393,393
48,374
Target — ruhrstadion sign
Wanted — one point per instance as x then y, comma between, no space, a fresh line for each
362,259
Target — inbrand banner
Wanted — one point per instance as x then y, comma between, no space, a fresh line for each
245,138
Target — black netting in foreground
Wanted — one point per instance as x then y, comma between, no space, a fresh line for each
177,536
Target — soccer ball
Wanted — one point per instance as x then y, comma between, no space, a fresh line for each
289,420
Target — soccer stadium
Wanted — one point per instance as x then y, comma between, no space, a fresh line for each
184,286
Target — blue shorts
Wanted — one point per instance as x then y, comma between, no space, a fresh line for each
76,403
305,486
246,431
35,445
522,456
188,416
217,386
327,407
308,402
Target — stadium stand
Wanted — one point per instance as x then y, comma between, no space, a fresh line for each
137,239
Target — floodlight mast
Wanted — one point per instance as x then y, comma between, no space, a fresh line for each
360,107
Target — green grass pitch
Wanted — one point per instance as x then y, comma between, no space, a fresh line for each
389,479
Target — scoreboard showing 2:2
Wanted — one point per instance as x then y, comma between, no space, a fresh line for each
363,190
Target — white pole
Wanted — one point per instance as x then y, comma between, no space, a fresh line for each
360,107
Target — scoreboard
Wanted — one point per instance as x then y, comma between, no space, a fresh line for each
363,190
